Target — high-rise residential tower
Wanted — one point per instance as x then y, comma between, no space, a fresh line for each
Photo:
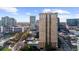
32,22
47,30
7,21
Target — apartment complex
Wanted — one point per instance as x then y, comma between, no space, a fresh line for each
48,30
7,21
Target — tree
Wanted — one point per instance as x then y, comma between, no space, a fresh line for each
24,36
29,48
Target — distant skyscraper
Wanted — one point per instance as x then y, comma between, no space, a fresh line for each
48,30
7,21
12,22
4,21
72,22
32,22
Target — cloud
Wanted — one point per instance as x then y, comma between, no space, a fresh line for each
28,14
62,14
47,10
59,11
70,16
76,15
10,9
63,17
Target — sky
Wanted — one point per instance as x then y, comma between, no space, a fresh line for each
21,14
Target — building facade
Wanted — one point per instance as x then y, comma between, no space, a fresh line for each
48,30
58,21
7,21
32,22
72,22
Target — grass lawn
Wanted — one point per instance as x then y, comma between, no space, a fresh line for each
6,49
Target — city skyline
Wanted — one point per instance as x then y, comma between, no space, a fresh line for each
49,33
22,14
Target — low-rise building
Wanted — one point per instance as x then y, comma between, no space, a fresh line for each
12,29
18,29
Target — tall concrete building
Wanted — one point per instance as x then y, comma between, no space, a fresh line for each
7,21
48,30
32,22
